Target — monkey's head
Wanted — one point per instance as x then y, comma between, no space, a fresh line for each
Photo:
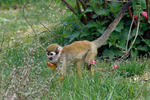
53,52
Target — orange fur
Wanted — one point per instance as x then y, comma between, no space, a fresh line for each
78,52
81,51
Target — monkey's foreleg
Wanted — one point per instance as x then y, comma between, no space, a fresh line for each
90,69
78,68
62,68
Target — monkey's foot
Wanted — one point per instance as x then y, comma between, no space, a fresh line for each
79,73
61,77
92,71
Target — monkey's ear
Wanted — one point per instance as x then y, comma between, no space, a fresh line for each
58,50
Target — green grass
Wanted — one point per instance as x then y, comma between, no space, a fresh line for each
23,70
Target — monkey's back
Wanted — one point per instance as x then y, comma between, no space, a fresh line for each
77,49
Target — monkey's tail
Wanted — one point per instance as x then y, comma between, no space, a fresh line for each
99,41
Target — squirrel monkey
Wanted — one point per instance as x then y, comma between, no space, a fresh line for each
80,51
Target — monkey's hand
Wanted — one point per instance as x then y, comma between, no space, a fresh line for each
51,65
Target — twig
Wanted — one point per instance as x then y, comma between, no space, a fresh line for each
45,27
117,0
50,3
137,31
27,20
78,6
2,41
127,51
129,33
83,19
83,4
131,15
69,6
147,9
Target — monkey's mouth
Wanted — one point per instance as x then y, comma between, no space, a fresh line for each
50,58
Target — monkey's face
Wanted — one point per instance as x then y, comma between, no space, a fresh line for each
51,55
53,52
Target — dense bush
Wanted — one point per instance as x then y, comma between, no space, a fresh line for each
101,15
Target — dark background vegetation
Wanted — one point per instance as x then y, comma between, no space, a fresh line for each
89,20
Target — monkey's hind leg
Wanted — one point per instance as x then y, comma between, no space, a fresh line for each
78,67
89,58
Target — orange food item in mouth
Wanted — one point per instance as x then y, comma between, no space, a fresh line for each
51,65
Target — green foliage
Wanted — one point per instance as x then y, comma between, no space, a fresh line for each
104,15
139,6
23,70
131,68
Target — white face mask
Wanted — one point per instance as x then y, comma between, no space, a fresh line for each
53,56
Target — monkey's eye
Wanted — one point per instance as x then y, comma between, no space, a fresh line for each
48,53
51,54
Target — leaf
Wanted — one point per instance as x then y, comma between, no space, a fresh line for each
102,12
148,20
84,34
137,41
94,16
114,7
143,4
113,38
139,6
145,27
134,53
147,41
88,10
111,52
91,24
119,27
108,52
75,34
143,48
122,38
133,32
121,44
101,30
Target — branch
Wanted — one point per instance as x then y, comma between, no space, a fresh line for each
147,8
131,15
78,6
83,19
83,4
69,6
45,27
129,33
86,1
27,19
137,31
